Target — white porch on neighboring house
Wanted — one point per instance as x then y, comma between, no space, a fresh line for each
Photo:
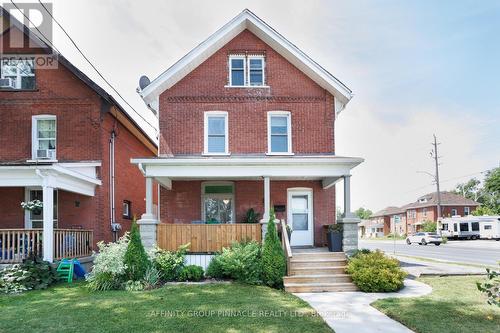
47,178
327,169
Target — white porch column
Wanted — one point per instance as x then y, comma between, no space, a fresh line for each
148,222
349,221
347,196
48,223
267,206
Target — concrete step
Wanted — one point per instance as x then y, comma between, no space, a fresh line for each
332,278
318,270
297,263
318,255
319,287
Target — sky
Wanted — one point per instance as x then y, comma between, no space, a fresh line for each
416,68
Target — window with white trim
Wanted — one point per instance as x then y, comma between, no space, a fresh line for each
218,202
17,74
44,137
279,133
246,70
127,212
454,212
466,211
216,133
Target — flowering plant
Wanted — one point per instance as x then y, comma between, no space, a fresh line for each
32,205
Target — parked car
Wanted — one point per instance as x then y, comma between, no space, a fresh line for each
424,238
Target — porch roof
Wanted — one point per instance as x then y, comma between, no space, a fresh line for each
79,177
328,168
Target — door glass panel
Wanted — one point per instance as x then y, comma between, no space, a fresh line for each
300,222
36,217
218,209
300,212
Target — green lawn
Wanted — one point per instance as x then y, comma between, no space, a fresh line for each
455,305
180,308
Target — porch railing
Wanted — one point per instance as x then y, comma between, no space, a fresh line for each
18,244
285,244
207,238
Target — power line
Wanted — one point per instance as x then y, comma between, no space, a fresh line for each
92,65
83,55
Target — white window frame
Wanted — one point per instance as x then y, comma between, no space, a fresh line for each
207,115
271,114
242,57
424,211
454,210
218,195
19,76
263,70
466,211
34,137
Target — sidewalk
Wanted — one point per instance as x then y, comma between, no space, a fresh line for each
350,312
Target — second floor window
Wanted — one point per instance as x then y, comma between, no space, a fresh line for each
216,133
279,133
246,71
44,137
17,74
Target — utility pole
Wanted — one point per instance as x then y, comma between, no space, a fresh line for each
434,154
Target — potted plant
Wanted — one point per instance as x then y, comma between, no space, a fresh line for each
252,216
34,206
334,237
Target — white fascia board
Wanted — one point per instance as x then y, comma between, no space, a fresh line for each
245,20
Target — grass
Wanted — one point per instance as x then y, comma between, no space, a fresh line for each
455,305
179,308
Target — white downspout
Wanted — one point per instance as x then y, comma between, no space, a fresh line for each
112,215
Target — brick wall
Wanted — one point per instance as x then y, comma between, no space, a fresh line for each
203,90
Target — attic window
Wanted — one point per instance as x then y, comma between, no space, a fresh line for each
246,70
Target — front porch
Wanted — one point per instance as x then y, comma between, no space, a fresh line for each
204,201
63,226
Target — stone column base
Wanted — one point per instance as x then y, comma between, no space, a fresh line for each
147,227
350,234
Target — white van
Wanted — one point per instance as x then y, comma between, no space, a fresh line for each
471,227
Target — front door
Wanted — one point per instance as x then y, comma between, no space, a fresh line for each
300,216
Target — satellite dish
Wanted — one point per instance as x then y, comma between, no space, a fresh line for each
144,82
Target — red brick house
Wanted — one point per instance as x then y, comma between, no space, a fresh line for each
389,219
247,120
68,143
425,209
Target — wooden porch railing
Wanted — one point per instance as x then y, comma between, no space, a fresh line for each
285,243
18,244
206,237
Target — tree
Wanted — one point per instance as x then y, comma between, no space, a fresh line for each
136,260
273,257
429,226
487,193
470,189
492,190
363,213
483,210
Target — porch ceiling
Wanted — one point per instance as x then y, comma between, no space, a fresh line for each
329,169
73,177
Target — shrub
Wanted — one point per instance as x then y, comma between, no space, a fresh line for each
170,263
360,251
273,257
136,259
240,262
134,285
109,266
374,272
491,287
445,240
33,273
429,226
191,273
151,278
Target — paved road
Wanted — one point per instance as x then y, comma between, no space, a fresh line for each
479,252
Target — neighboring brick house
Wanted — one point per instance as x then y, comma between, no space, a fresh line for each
409,218
247,120
425,208
66,142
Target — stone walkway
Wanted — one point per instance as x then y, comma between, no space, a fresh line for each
350,312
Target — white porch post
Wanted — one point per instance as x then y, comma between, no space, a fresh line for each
349,221
48,223
267,206
148,222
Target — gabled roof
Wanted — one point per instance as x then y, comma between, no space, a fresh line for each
123,118
447,199
246,20
391,210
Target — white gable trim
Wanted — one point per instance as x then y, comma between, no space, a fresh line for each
245,20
